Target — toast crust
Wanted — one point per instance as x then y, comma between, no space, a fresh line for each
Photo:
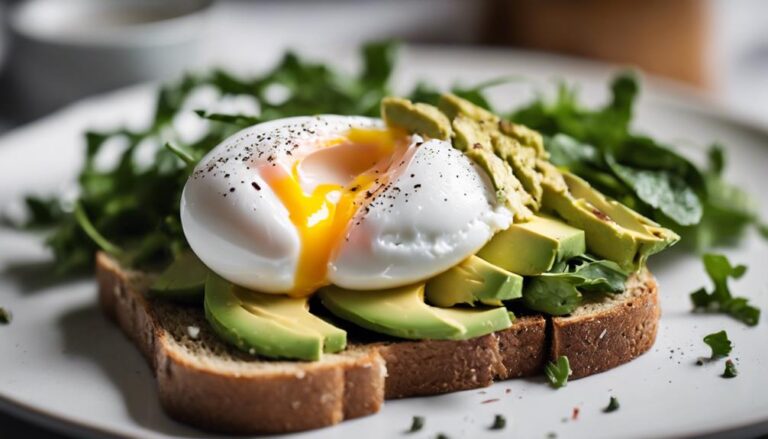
205,383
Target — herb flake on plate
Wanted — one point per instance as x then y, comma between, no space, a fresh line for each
558,371
730,370
720,344
416,424
720,300
5,316
612,406
499,422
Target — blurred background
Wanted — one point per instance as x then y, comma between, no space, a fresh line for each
55,52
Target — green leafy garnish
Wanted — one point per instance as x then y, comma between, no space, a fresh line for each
613,405
558,371
646,175
416,424
499,422
559,292
720,299
132,207
719,343
5,316
730,370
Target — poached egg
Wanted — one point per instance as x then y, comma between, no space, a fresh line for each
294,204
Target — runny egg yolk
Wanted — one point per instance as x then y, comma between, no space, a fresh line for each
321,217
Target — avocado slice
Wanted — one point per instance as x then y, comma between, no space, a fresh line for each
473,280
183,280
401,312
523,163
613,231
266,324
416,118
533,247
454,106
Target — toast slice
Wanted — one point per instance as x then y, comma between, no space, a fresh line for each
206,383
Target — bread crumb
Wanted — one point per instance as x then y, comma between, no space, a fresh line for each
602,334
295,405
193,332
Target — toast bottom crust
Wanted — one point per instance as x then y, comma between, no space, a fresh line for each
205,383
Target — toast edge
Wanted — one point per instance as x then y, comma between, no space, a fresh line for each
224,402
388,370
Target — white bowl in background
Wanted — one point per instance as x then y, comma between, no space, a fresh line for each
61,51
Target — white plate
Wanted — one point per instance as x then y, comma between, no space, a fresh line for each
63,364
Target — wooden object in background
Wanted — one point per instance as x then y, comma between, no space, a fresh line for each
669,38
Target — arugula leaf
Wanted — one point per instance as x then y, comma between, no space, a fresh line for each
720,299
133,208
559,291
235,119
553,295
730,370
43,211
598,275
719,343
558,371
763,229
728,210
661,190
646,175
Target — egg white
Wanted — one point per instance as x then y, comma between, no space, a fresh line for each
436,209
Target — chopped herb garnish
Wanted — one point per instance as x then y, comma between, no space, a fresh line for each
442,436
613,405
720,299
5,316
417,424
730,370
499,422
719,343
557,372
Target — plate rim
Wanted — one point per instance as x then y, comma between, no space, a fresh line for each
680,97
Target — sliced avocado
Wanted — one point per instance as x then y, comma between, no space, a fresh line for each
401,312
477,322
467,134
473,280
183,280
526,137
270,325
292,312
454,106
508,187
613,231
533,247
523,163
416,118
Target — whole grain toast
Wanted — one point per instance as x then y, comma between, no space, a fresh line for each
204,382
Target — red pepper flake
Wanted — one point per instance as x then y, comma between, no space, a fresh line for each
488,401
575,415
600,214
